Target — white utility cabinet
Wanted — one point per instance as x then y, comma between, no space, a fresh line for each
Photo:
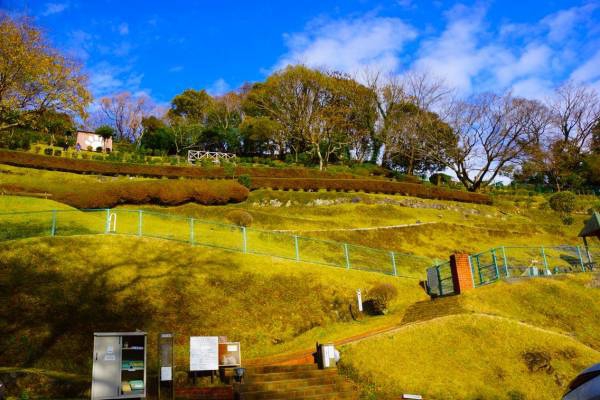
119,365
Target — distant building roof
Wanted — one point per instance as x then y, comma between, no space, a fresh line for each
592,226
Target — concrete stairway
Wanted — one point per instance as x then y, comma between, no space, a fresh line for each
293,382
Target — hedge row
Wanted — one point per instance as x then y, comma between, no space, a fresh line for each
163,192
22,159
371,186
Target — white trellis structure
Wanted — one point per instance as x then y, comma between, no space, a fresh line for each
214,156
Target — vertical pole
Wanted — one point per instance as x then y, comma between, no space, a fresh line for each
297,248
139,222
439,278
472,271
192,231
545,260
495,260
53,228
394,263
347,255
244,242
580,259
505,260
107,228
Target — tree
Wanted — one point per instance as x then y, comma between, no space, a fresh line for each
192,105
35,78
492,133
575,114
106,132
126,113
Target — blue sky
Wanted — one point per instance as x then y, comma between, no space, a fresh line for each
163,47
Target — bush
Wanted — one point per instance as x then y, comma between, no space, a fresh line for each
48,151
239,218
245,180
567,219
379,298
99,149
371,186
563,202
163,192
440,179
57,153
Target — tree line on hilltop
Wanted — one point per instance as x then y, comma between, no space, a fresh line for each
412,123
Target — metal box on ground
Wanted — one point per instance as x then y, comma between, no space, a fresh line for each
119,365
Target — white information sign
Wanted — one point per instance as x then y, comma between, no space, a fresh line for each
204,353
166,374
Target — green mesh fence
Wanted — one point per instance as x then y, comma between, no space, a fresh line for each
16,225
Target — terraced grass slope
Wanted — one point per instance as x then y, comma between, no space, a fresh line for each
522,339
57,291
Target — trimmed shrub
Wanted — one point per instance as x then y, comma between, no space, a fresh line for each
372,186
48,151
379,298
239,218
163,192
563,202
440,179
57,153
245,180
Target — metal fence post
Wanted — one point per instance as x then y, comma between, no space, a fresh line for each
505,260
347,255
140,222
394,263
107,229
297,248
192,231
545,259
53,228
580,259
244,240
495,260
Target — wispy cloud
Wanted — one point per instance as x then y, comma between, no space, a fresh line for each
176,68
218,87
349,45
123,28
54,8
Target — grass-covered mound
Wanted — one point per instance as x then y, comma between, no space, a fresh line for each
57,292
468,357
521,339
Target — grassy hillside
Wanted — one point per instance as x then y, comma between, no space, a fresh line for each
512,340
57,292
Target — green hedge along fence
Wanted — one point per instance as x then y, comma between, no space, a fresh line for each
16,225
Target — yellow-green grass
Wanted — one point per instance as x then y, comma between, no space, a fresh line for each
565,303
57,291
468,357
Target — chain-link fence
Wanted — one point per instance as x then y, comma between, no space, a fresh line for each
17,225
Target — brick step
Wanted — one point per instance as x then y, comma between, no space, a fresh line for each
279,376
266,369
331,389
346,395
286,384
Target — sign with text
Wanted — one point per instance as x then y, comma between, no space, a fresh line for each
204,353
230,354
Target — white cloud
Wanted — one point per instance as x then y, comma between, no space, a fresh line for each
588,71
349,45
54,8
218,87
106,79
123,28
176,68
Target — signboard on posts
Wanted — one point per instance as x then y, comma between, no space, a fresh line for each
204,353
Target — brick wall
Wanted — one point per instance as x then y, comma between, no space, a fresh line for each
462,276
